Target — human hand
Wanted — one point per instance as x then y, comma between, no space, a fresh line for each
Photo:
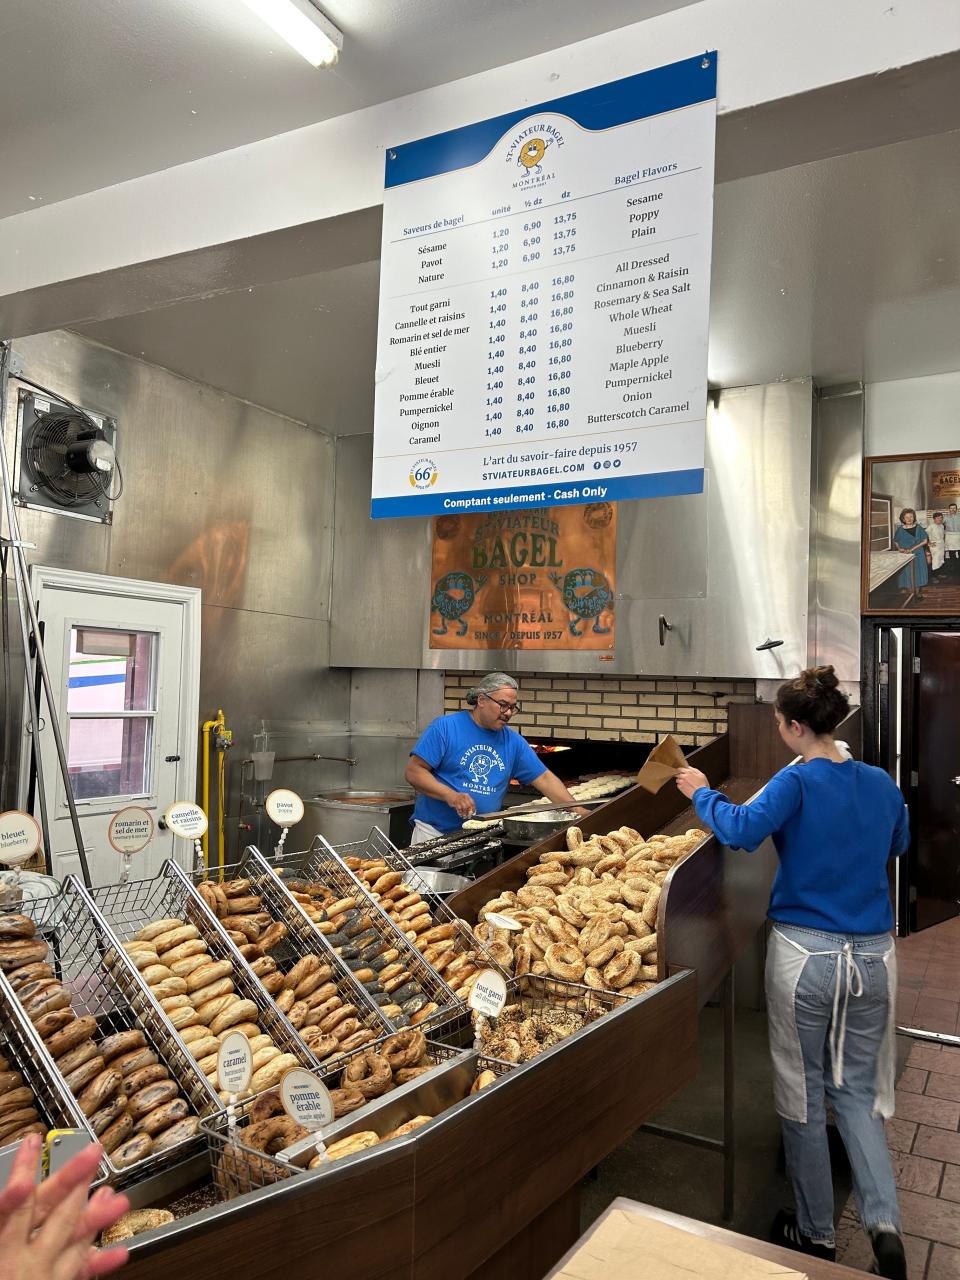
691,780
47,1231
580,811
464,805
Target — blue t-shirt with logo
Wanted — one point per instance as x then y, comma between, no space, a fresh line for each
478,761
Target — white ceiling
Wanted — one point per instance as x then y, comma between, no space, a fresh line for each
847,269
93,92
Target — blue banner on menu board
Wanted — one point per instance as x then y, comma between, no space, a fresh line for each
544,299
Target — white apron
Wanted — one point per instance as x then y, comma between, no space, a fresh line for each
422,832
937,538
786,959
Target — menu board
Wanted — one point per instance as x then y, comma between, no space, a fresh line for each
544,296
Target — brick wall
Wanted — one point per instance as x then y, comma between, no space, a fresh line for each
614,708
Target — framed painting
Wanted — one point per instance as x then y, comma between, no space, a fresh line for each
911,535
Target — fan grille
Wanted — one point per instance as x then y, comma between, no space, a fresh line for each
46,456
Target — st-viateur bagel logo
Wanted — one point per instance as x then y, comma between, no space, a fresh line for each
532,146
423,474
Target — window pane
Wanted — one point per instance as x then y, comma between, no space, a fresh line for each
110,757
111,670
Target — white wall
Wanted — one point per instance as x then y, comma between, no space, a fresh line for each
915,415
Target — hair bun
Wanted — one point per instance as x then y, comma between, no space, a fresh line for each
815,699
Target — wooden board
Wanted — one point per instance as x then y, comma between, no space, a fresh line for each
813,1268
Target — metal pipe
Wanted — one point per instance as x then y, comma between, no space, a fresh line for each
248,760
28,613
935,1037
7,679
728,1006
291,759
206,728
243,765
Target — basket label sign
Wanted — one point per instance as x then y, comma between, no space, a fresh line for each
186,819
235,1063
306,1100
20,837
502,922
130,829
283,807
488,994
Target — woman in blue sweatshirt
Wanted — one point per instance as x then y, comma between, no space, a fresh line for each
831,964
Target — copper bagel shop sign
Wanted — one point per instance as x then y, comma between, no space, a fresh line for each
534,579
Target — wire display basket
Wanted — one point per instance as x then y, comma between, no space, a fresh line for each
238,1168
302,938
331,1073
321,864
548,1001
379,848
51,1098
87,959
127,908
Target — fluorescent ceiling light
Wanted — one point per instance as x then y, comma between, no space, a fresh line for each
303,27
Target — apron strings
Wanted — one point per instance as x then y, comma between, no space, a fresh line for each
849,982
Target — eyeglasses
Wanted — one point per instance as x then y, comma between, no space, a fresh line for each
506,708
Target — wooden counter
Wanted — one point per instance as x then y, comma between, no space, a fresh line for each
814,1268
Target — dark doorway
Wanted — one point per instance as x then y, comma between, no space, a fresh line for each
911,707
936,750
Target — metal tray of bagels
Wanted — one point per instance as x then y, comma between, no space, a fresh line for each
263,1146
407,988
119,1074
329,1009
445,941
539,1014
174,948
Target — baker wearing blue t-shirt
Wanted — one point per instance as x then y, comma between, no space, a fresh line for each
463,762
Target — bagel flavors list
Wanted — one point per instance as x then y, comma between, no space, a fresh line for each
307,993
357,937
589,913
198,996
130,1102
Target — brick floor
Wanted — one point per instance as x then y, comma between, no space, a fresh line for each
924,1135
938,1086
944,1264
950,1186
928,991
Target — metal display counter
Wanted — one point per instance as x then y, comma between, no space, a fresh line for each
490,1188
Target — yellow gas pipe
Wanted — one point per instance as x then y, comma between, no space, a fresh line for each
220,725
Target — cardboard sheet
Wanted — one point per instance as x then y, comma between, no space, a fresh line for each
630,1246
661,765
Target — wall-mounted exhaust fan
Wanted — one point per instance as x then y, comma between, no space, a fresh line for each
68,460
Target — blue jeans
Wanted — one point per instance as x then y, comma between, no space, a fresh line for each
816,1027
